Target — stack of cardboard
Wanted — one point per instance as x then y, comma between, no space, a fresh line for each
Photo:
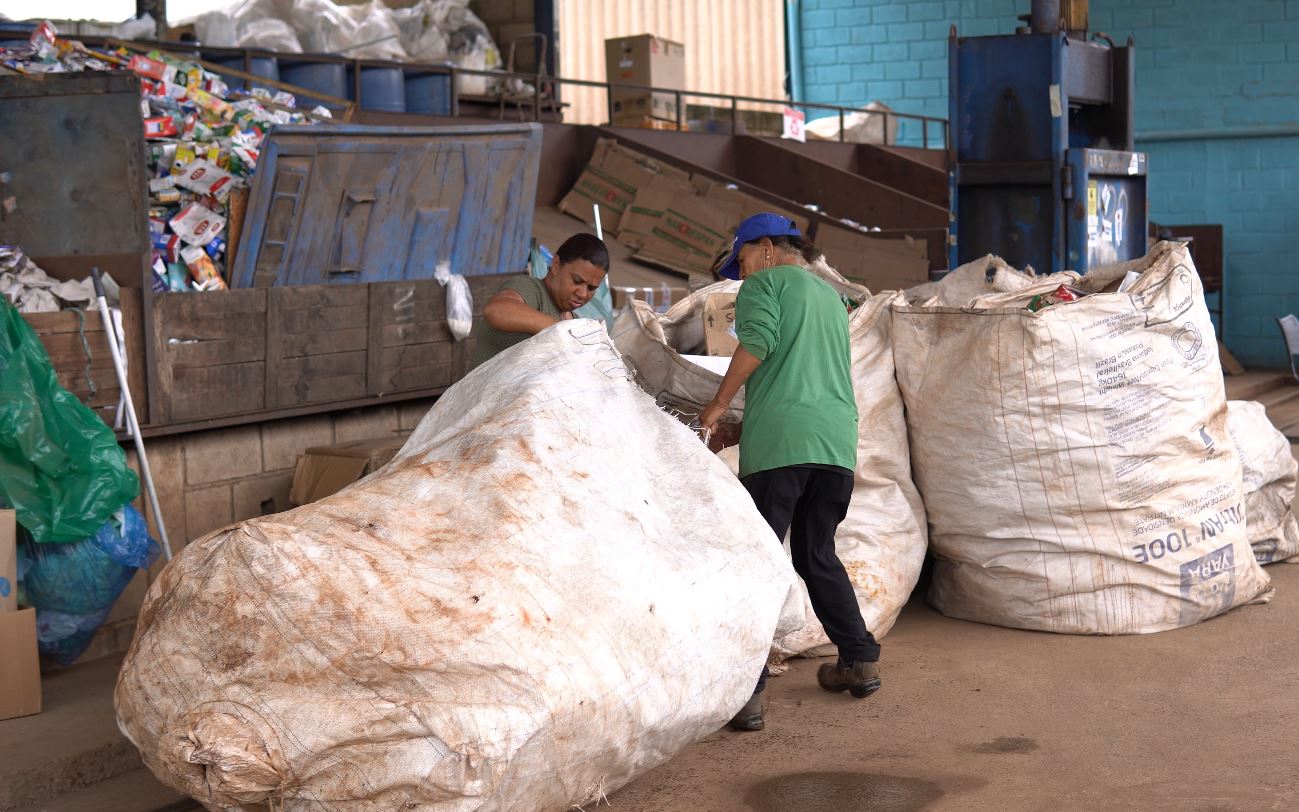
644,60
877,262
20,672
671,219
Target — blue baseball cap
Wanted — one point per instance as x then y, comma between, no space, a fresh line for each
753,228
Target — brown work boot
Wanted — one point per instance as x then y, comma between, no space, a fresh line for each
860,678
750,716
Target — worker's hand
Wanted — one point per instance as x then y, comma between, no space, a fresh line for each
710,415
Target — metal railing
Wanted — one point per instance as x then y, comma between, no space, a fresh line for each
538,96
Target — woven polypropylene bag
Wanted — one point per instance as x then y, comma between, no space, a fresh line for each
552,588
1075,462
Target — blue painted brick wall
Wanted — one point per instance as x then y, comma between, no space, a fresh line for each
1202,65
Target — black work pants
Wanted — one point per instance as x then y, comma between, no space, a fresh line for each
809,503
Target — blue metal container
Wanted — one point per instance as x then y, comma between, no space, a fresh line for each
329,78
352,204
428,93
382,90
266,67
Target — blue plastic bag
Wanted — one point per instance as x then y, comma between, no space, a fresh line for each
74,585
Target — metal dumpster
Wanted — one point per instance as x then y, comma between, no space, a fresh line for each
354,204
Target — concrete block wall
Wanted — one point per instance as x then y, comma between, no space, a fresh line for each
1217,111
206,480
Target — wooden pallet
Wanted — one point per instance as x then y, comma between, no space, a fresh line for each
1277,391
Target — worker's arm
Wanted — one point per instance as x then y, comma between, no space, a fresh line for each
757,326
743,363
508,311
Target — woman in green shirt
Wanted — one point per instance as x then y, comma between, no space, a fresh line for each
525,305
798,447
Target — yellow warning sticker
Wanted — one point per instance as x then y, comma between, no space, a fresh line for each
1091,198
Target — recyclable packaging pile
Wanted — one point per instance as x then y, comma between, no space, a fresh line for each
202,147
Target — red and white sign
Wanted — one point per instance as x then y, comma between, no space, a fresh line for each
794,121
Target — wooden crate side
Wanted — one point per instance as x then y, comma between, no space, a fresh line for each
211,353
317,339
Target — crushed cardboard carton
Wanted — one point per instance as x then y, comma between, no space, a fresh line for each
612,179
20,670
719,324
878,263
325,470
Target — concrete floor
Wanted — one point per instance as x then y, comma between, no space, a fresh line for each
979,717
970,717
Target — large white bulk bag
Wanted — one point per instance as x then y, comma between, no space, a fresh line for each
1269,470
552,588
881,541
1075,462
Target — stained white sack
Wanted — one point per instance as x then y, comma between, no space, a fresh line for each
979,277
1269,472
881,541
534,602
1075,462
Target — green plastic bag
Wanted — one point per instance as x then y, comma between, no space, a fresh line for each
61,468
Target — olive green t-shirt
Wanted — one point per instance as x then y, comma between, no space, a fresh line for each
492,341
799,407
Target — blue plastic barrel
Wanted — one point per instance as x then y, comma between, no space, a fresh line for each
382,90
264,66
329,78
428,93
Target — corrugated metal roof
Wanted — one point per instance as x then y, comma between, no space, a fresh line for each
732,46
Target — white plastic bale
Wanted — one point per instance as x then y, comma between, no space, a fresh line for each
882,540
1075,462
1268,469
552,588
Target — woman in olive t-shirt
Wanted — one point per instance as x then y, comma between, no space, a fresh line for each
525,305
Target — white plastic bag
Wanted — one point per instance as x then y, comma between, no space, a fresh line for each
1268,469
1075,462
460,301
533,603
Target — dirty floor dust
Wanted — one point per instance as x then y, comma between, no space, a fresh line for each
979,717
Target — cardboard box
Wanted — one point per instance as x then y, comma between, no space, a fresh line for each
20,670
644,60
719,324
746,203
612,179
876,262
325,470
645,211
8,562
690,235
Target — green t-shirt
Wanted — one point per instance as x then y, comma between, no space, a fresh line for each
798,404
492,341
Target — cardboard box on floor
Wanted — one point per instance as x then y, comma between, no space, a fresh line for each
8,561
325,470
719,324
20,670
878,263
644,60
